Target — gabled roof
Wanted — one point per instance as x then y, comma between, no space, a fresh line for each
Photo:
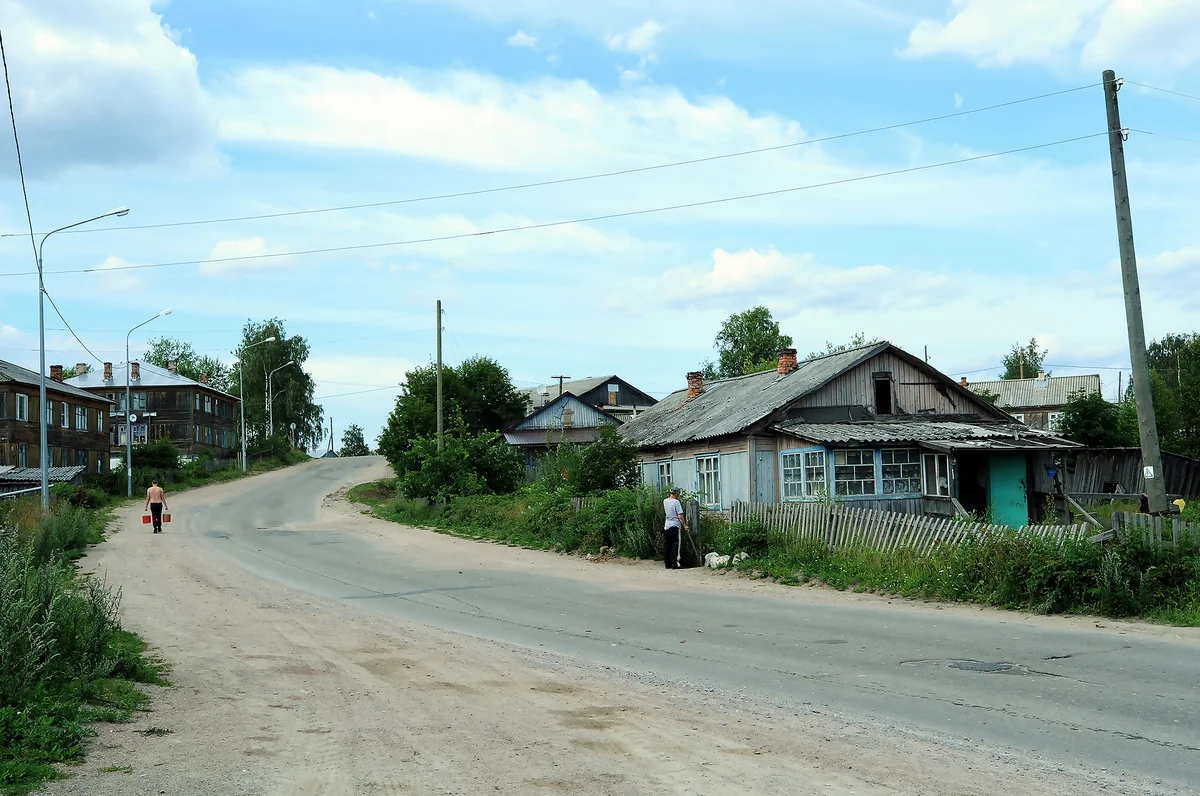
733,406
19,375
550,415
150,376
1034,393
577,387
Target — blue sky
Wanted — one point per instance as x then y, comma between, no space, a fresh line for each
207,109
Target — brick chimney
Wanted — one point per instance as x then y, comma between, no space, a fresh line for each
108,371
964,381
695,384
135,371
787,361
204,378
56,372
173,365
81,368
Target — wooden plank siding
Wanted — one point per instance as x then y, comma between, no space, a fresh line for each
66,443
913,390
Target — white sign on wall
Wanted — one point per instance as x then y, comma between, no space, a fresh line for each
1148,473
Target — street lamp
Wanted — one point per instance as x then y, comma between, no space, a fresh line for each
242,394
129,416
271,398
44,453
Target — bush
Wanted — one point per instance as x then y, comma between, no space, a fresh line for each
467,464
608,463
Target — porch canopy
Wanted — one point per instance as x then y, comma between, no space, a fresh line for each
949,436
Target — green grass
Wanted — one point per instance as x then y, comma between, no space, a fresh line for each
64,659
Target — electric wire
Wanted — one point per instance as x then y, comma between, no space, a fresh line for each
1165,135
583,178
1163,90
585,220
358,392
68,325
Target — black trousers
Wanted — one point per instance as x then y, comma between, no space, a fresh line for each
156,514
671,538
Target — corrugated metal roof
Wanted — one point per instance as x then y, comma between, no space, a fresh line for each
150,376
732,405
1053,391
577,387
15,373
34,474
546,437
873,432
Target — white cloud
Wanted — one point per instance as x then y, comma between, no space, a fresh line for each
547,125
118,281
102,84
1097,32
522,39
639,41
958,100
247,247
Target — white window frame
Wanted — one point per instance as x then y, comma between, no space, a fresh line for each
808,469
81,417
708,480
663,469
913,473
65,414
1052,420
934,460
139,401
208,404
1020,416
22,454
22,408
844,458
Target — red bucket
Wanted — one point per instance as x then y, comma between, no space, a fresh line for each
145,519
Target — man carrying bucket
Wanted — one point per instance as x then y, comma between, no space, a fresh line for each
156,501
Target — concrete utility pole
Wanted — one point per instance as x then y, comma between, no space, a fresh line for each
1156,493
439,374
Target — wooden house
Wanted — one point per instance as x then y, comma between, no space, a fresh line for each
611,394
872,426
1038,403
77,426
197,418
565,419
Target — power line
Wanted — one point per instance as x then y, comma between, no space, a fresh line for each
1164,90
359,392
586,220
601,175
68,325
17,143
1165,135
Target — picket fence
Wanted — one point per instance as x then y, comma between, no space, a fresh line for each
839,525
1156,532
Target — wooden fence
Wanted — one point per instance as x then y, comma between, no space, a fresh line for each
1156,532
839,525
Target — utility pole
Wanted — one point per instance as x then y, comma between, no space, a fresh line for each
561,379
331,432
926,355
1156,493
439,374
1120,387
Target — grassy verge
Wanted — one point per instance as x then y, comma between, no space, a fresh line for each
64,659
1006,570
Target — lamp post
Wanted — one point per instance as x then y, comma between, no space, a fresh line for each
129,416
271,398
43,452
242,394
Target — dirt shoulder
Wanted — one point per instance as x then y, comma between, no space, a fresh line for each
279,692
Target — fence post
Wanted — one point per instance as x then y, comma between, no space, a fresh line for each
696,557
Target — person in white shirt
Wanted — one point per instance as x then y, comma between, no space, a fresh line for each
673,529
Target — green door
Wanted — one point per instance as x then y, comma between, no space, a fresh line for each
1008,499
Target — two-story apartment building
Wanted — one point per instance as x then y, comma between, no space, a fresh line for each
197,418
77,422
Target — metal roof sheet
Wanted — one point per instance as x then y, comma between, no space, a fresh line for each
550,416
873,432
1052,391
19,375
34,474
732,405
150,376
546,437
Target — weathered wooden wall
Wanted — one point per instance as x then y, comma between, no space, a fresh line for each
914,391
1089,471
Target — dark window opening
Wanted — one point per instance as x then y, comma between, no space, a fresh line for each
883,396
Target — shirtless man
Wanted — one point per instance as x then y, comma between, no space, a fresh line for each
156,501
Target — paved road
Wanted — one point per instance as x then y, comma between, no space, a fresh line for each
1122,702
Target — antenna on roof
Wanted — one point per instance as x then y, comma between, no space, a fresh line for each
561,379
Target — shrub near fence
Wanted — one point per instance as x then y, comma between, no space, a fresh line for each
839,525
